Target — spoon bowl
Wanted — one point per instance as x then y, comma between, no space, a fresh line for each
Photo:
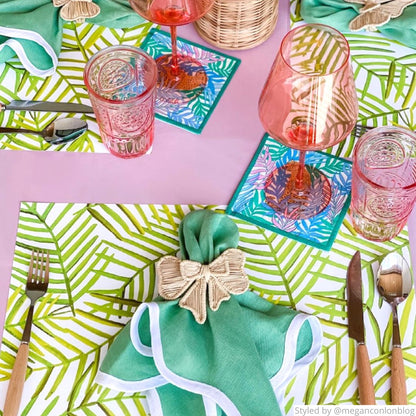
61,130
394,283
394,278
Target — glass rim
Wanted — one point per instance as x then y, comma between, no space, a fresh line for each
137,51
136,6
319,25
359,144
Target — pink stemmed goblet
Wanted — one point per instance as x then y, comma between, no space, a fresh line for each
181,77
308,102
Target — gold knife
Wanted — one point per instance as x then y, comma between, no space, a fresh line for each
356,330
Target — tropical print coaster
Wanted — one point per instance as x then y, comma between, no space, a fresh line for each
219,68
254,199
102,267
385,81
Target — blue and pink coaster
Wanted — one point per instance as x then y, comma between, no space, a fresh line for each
219,68
249,200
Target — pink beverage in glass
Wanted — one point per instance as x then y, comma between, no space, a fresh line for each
181,77
383,182
121,83
309,100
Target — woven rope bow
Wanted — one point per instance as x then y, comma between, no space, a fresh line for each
223,276
77,10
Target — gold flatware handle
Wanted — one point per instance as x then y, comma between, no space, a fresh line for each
365,377
398,377
16,383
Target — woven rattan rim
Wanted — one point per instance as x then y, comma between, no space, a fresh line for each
238,24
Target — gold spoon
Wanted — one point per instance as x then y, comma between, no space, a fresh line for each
394,282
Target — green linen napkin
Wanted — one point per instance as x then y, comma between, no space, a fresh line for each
236,363
339,13
32,30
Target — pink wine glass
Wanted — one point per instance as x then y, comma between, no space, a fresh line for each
181,77
308,102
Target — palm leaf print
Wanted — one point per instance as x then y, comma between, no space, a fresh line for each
102,268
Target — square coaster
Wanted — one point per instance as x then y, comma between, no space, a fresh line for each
220,68
249,200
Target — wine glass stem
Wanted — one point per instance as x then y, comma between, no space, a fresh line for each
299,177
175,69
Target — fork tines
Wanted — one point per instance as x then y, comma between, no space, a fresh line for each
39,267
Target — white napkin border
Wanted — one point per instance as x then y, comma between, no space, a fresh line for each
20,52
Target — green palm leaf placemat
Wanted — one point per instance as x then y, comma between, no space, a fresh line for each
102,267
385,79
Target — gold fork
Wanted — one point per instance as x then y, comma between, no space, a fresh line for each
36,286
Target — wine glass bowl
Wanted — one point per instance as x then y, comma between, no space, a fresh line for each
308,102
181,77
171,12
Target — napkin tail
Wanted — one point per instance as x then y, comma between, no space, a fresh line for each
154,403
124,369
13,43
128,386
210,392
290,365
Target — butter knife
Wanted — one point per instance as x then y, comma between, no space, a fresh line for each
356,330
48,106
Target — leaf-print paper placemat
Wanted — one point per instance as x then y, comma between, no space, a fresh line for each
102,266
385,79
258,190
219,68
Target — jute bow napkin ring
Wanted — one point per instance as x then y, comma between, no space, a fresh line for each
190,279
376,13
189,349
77,10
394,19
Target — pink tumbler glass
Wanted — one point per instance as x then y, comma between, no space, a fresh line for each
383,182
121,83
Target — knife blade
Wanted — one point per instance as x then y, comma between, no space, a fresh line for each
356,330
48,106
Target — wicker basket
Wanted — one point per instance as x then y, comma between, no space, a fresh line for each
238,24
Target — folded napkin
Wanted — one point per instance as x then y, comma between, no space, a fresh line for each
237,362
339,13
32,30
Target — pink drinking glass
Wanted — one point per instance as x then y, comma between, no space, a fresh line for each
308,102
181,77
121,83
383,190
